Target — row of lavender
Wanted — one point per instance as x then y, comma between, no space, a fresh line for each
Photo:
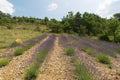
97,45
38,57
26,45
80,68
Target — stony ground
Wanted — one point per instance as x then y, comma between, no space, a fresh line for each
101,71
57,65
15,69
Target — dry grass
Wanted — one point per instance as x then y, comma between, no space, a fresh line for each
7,36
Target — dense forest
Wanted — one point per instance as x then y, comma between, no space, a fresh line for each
86,24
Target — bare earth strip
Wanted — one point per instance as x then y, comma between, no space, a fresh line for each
15,69
57,65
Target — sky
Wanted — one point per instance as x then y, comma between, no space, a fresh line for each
59,8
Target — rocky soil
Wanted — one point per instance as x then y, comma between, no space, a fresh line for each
15,69
101,71
57,65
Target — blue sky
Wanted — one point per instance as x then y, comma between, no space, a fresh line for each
59,8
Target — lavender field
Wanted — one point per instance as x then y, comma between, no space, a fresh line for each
63,57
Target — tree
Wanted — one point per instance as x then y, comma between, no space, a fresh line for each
117,15
114,23
46,20
55,26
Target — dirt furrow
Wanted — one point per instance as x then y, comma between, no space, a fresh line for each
57,65
15,69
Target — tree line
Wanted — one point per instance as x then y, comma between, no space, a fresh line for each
86,24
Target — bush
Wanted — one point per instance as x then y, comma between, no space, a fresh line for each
70,51
4,61
19,51
103,59
81,72
31,73
118,49
41,56
104,37
87,50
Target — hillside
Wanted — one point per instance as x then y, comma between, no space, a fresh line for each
64,57
79,47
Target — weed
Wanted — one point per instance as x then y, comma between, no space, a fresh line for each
31,73
118,49
88,50
103,59
19,51
70,51
82,73
4,61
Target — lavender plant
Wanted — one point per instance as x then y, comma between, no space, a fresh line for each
40,53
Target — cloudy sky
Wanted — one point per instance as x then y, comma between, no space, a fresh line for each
59,8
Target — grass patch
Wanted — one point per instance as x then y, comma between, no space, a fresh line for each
31,73
103,59
70,51
4,61
19,51
88,50
41,56
118,73
81,72
118,49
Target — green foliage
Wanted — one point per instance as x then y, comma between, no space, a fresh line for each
118,73
118,49
70,51
19,51
9,26
37,28
55,26
31,73
41,56
88,50
14,43
104,37
81,72
86,24
4,61
103,59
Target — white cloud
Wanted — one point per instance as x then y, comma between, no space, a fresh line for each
6,7
103,8
52,6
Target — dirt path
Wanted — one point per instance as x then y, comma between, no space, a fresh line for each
56,66
15,69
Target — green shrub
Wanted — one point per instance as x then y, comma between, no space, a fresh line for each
118,73
103,59
41,56
70,51
13,44
31,73
104,37
19,51
4,61
118,49
88,50
81,72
